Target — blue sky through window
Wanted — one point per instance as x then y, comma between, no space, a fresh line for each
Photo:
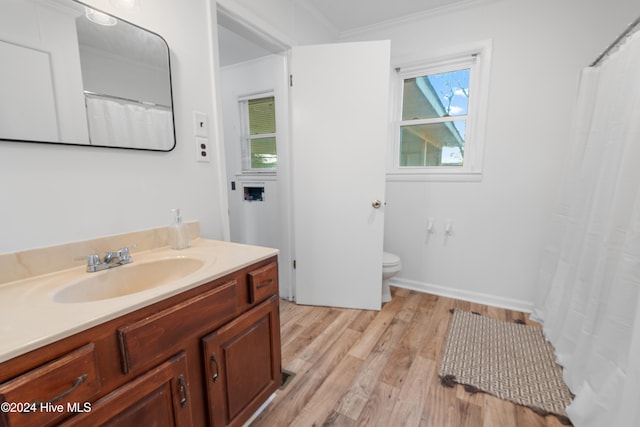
452,89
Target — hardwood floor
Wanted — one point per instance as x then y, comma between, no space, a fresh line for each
365,368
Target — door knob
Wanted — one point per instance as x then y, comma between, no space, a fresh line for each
376,204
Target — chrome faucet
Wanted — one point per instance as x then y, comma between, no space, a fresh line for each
110,260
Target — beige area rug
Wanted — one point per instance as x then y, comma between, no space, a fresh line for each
512,361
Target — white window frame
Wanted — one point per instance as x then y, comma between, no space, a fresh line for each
477,57
245,137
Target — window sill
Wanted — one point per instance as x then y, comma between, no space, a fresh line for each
443,176
250,176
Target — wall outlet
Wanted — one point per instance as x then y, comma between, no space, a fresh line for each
202,150
200,124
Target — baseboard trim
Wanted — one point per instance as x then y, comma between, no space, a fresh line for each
259,411
487,299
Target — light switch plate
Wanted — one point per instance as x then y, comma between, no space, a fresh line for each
200,124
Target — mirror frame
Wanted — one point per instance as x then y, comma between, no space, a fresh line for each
170,83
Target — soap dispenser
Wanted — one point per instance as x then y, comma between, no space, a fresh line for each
179,232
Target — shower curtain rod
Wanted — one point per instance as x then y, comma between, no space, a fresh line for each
134,101
631,28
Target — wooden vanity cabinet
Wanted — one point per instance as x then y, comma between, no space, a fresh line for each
243,364
155,366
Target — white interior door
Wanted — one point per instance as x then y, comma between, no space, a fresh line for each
339,109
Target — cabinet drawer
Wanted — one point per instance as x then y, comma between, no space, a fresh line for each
52,389
159,397
147,340
263,283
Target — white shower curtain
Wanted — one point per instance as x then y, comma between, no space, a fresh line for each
119,123
588,295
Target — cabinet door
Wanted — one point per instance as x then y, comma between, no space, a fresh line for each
243,364
158,398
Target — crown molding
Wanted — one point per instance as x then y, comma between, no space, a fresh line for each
318,16
418,16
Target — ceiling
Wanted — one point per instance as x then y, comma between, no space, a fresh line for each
234,48
347,15
341,15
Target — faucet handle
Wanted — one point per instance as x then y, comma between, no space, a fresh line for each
124,254
92,261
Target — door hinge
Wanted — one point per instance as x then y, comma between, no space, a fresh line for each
294,264
290,80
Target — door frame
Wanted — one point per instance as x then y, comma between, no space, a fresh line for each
247,24
251,27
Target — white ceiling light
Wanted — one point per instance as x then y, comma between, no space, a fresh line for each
99,17
126,4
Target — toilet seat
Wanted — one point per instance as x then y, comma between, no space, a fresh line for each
390,260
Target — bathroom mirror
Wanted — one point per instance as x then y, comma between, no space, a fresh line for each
70,74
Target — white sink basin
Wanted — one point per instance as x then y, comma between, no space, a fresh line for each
127,279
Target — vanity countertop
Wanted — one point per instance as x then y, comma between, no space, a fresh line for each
30,318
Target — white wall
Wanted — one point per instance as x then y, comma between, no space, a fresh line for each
539,48
281,23
54,194
264,223
251,222
260,75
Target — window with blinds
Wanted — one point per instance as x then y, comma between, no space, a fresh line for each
259,134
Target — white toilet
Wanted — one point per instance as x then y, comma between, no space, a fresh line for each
391,265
